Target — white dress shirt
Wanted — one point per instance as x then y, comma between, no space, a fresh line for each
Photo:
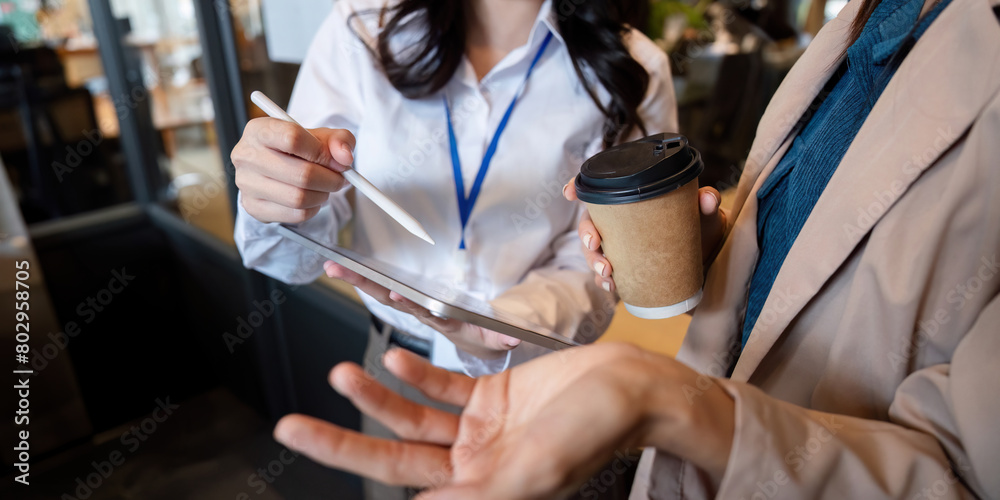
522,252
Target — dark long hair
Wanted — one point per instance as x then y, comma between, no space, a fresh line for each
592,29
858,25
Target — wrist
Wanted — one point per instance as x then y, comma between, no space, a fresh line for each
689,415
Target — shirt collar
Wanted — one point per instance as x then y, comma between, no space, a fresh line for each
547,22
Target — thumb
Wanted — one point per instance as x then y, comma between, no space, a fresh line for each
709,200
340,143
569,190
498,341
342,153
507,342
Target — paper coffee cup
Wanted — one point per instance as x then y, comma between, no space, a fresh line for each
643,198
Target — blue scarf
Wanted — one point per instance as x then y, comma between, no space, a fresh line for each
789,194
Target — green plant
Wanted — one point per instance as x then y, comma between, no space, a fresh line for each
660,10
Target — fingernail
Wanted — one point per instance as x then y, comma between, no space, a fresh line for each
339,390
564,190
606,286
388,354
286,436
348,151
599,267
587,238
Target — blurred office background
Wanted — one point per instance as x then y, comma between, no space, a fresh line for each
116,122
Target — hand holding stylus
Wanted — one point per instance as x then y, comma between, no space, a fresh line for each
286,172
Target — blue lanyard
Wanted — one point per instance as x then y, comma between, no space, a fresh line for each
465,204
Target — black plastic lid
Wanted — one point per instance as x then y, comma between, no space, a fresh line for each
639,170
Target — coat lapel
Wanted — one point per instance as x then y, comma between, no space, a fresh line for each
712,341
794,96
934,97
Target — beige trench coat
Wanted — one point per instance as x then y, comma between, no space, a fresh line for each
874,369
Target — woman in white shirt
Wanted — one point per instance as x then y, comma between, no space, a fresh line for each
395,89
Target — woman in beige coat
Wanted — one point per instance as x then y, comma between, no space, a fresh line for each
870,371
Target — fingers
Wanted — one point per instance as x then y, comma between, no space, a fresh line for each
386,297
472,339
476,341
713,220
391,462
257,185
569,190
435,383
589,235
602,274
267,211
280,163
290,138
374,290
409,420
295,172
709,199
595,259
497,341
506,340
408,306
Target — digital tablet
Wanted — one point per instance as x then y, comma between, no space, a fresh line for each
440,299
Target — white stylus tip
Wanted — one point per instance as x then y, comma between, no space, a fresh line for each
426,237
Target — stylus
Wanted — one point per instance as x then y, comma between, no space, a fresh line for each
357,180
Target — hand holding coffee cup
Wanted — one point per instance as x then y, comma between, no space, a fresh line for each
656,223
713,226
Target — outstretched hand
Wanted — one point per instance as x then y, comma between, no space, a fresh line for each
532,432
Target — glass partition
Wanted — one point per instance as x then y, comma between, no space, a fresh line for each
60,142
165,35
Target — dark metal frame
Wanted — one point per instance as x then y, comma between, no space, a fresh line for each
221,63
139,143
